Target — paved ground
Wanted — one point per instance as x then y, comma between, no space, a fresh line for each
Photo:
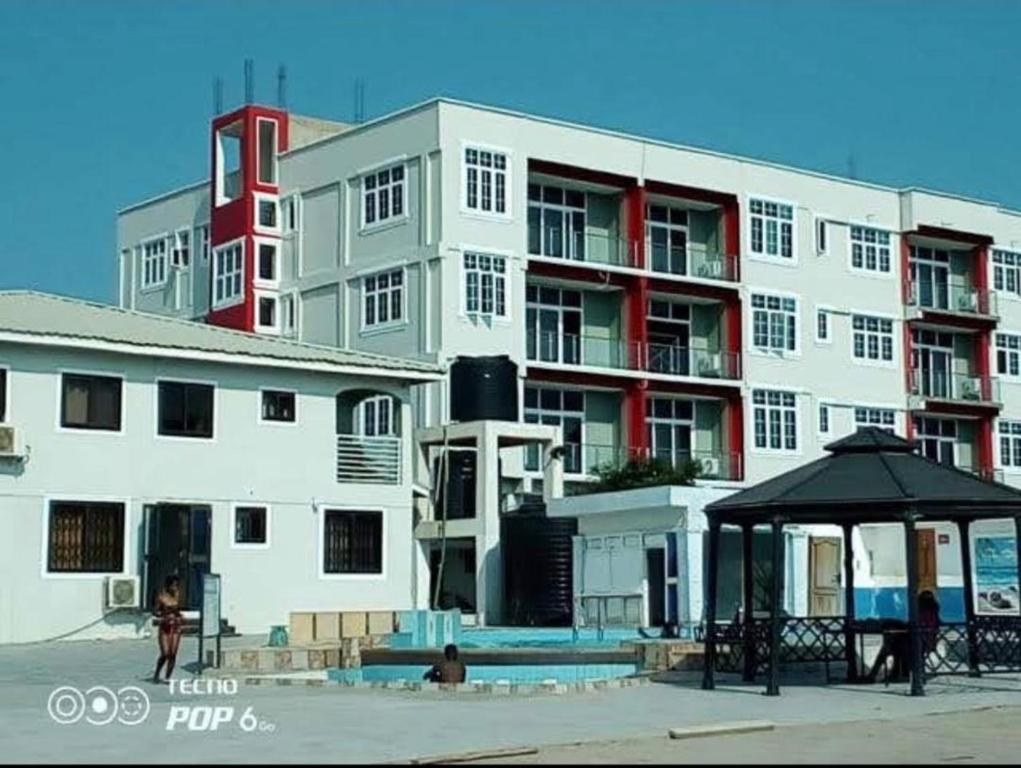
987,736
333,724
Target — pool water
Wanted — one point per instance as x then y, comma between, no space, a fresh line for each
545,637
516,673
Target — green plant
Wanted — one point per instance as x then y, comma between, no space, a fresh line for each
643,473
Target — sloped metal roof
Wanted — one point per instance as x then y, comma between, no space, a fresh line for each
29,315
871,475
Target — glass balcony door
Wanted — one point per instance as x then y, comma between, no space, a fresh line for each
564,408
669,325
930,277
553,325
666,231
670,423
932,362
556,222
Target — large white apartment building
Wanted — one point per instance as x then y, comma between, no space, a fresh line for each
656,299
133,447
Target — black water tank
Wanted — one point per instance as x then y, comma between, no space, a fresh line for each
484,388
538,569
460,484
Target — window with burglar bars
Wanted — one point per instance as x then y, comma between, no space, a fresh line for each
774,322
485,287
383,298
485,180
383,195
85,537
352,541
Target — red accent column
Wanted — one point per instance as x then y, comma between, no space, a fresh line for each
635,399
732,236
905,273
735,424
634,201
635,305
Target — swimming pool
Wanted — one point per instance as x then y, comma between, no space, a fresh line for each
545,637
489,673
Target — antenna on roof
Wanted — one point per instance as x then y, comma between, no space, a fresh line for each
217,95
359,110
249,81
852,165
282,87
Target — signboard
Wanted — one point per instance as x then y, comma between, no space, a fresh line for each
996,577
210,605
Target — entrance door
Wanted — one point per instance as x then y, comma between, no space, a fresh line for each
927,560
824,588
177,542
655,574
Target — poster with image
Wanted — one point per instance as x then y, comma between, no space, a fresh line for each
996,582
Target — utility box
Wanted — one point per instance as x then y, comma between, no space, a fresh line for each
327,626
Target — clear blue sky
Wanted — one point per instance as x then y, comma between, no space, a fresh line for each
106,103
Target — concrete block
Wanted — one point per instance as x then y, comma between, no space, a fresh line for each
721,729
249,660
327,626
353,624
380,622
266,659
282,661
299,658
332,657
317,658
302,628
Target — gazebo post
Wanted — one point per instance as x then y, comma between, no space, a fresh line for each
773,688
849,655
911,558
748,598
964,535
709,654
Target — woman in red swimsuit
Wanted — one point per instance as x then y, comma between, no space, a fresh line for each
168,615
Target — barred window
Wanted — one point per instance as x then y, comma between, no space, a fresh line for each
772,226
870,249
250,525
776,420
352,541
383,298
485,287
872,338
85,537
774,322
383,195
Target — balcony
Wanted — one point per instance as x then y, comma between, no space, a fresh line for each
583,460
691,260
374,460
579,246
570,349
713,465
955,387
953,297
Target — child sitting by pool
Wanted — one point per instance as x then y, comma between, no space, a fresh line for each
450,670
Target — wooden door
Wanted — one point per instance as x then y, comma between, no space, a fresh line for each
824,585
926,560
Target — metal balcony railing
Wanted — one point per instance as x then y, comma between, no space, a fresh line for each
686,361
958,387
957,296
990,474
374,460
692,260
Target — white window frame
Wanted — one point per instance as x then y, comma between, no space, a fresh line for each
879,362
162,261
221,175
44,558
61,372
275,243
287,203
764,255
389,323
373,194
393,408
273,422
864,245
568,232
499,284
539,413
383,575
507,213
290,299
275,298
827,313
770,350
1015,443
234,543
234,299
263,197
870,411
274,163
203,242
176,248
821,235
1005,273
826,407
783,409
1013,353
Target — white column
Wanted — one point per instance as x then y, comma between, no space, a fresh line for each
690,582
489,568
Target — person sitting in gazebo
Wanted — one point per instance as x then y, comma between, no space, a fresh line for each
897,639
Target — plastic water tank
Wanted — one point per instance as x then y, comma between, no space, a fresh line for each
538,569
484,388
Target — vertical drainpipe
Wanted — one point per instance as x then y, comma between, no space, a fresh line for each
732,314
635,300
982,355
905,272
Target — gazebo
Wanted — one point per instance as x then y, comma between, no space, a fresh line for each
871,476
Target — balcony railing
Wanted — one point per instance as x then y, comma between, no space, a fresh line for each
585,459
573,349
957,296
368,459
713,465
692,261
990,474
958,387
590,247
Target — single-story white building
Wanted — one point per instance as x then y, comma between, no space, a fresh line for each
134,446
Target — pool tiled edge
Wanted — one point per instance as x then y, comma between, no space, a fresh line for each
497,689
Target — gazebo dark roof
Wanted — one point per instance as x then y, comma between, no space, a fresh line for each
869,476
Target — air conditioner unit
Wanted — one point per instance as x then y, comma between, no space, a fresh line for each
122,592
8,441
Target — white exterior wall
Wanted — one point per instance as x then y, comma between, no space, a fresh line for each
289,468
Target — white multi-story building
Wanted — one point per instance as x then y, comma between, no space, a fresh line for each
139,446
657,299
